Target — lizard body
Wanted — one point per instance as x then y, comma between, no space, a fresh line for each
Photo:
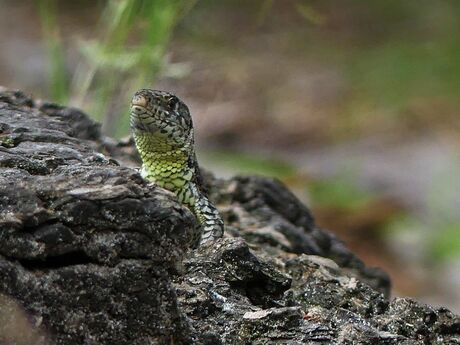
163,132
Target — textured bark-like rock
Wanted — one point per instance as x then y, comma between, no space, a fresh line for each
234,295
85,244
269,215
91,254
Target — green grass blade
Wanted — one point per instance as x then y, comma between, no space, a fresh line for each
58,81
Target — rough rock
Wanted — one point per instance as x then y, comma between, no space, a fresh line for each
92,254
85,244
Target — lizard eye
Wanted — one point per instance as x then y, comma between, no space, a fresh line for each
172,102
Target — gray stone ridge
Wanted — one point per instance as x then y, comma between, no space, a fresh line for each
90,253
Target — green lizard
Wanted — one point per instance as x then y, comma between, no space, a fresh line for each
163,132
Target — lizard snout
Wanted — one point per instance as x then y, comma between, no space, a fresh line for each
139,101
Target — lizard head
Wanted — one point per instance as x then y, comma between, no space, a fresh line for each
151,110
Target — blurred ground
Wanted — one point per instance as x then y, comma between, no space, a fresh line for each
353,104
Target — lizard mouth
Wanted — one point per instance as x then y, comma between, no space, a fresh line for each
138,110
143,113
142,118
139,107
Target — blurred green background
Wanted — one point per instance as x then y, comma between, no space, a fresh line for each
353,104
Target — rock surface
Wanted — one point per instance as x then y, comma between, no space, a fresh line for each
92,254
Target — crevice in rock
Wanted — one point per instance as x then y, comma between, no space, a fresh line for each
34,226
259,292
59,261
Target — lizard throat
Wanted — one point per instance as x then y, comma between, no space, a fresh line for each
162,162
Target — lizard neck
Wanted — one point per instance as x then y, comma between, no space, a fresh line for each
162,159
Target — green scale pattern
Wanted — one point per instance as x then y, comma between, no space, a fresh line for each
163,132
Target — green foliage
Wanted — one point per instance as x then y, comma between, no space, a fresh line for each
309,13
446,243
252,164
59,88
394,73
128,53
443,209
340,192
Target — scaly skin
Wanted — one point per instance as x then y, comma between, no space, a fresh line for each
163,132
